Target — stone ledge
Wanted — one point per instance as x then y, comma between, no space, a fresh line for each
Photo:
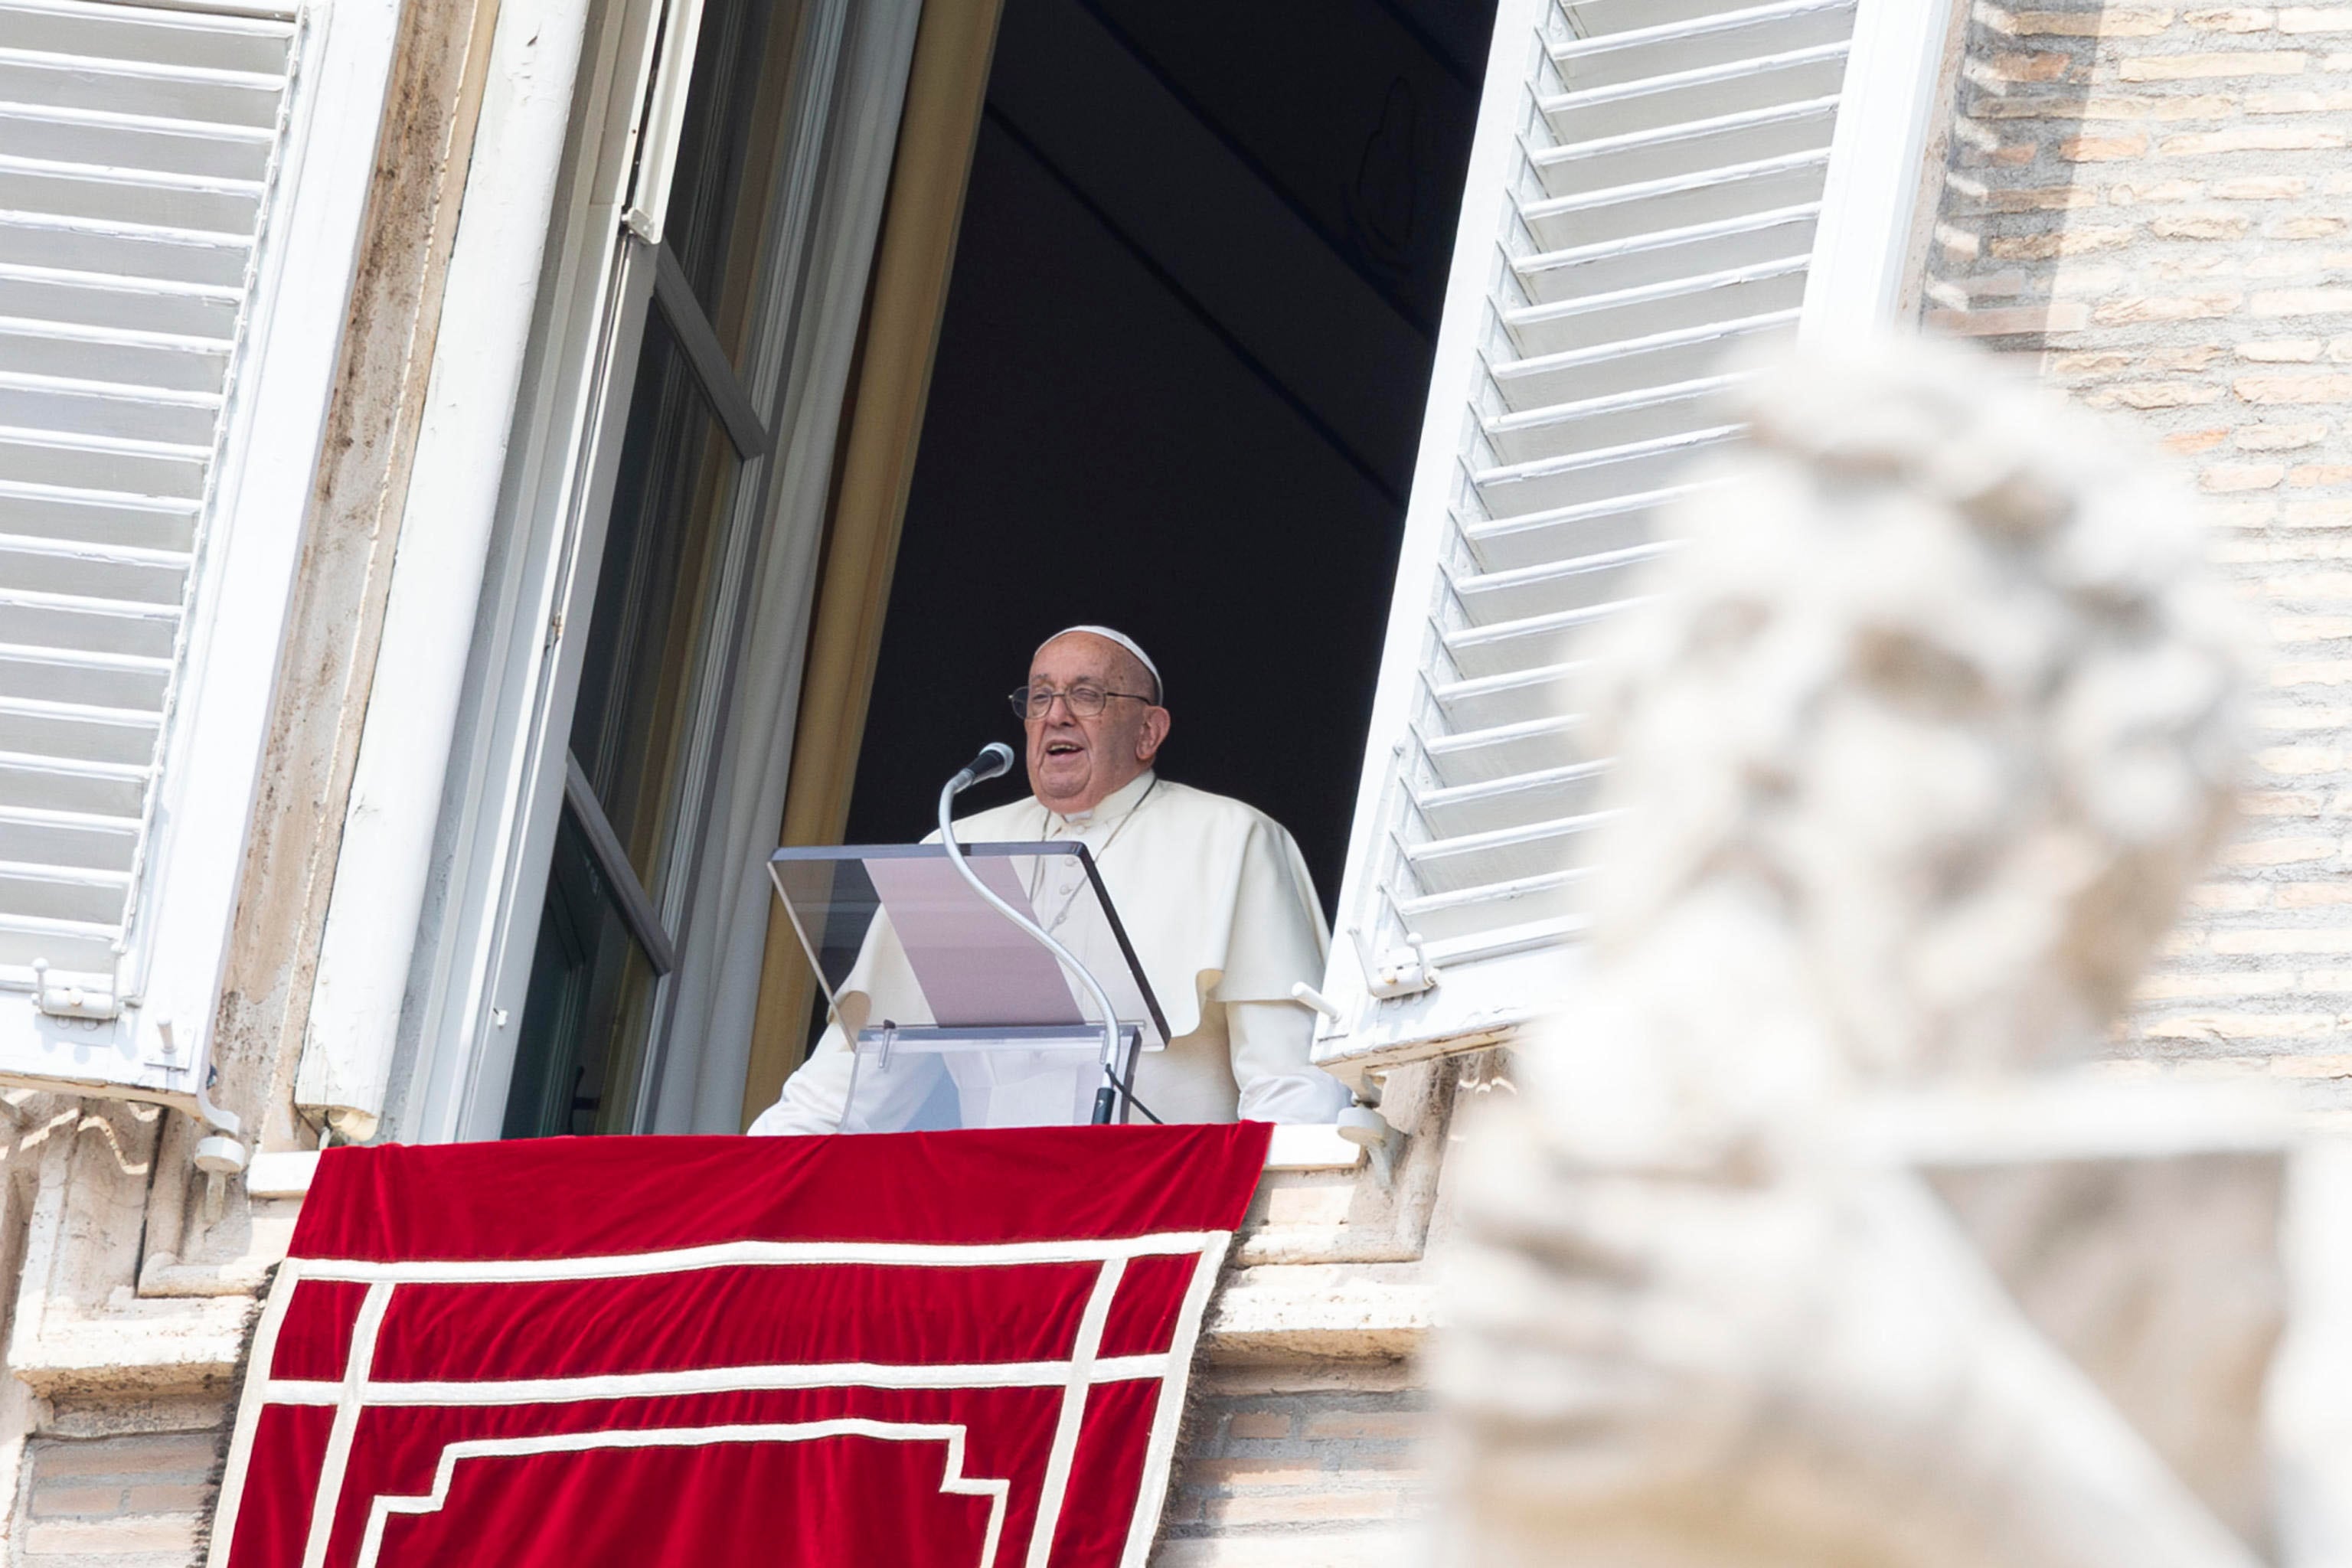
1351,1549
112,1540
1311,1146
145,1347
1303,1311
1295,1146
1324,1313
1277,1312
281,1172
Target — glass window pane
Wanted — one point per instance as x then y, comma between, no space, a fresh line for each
631,722
590,1007
728,151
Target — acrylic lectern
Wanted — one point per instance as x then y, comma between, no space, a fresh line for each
955,1017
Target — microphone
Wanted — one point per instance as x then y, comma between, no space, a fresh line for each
994,759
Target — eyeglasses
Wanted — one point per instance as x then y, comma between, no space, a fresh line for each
1084,702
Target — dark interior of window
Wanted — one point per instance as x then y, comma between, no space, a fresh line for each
1179,384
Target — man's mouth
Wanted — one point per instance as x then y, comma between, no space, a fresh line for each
1063,748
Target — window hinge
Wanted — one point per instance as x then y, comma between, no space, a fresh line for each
84,996
554,631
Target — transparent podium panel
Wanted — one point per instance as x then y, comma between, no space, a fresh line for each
1043,1077
935,988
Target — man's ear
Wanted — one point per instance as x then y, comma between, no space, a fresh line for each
1152,735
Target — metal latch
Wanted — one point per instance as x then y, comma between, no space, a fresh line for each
1399,972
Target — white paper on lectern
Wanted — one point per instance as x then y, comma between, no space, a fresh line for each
975,966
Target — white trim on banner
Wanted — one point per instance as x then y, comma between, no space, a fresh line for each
1076,1375
952,1482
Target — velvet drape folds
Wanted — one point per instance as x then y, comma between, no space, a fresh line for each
961,1349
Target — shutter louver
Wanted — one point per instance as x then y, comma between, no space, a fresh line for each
1653,208
137,150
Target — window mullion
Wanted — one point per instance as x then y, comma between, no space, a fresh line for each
629,895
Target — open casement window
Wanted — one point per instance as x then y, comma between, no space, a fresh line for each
1655,186
709,240
180,202
718,403
633,490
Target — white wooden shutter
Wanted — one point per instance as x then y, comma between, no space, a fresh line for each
1647,194
135,152
144,154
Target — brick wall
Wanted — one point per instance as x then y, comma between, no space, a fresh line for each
1304,1466
2153,201
126,1501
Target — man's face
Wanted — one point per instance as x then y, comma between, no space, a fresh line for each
1076,761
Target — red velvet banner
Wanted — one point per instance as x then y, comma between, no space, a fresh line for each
961,1349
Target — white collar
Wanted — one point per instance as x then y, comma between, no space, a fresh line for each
1110,808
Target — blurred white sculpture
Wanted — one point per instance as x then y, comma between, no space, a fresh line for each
1925,735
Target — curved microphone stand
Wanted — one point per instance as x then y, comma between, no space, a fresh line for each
993,760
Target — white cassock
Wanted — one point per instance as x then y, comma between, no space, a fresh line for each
1223,919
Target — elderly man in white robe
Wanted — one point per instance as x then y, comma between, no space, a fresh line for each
1217,901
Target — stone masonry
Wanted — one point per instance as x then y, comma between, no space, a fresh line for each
1303,1466
2155,203
132,1501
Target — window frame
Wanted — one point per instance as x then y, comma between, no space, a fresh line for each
157,1042
645,280
501,793
441,1060
480,445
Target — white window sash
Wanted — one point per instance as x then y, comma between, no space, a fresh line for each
484,451
663,121
463,1093
440,1065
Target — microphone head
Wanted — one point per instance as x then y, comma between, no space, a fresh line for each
995,758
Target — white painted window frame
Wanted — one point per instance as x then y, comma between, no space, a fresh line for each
158,1046
499,318
465,1054
486,552
1887,170
1887,163
482,814
564,146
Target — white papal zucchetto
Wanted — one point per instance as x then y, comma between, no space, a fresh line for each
1159,686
